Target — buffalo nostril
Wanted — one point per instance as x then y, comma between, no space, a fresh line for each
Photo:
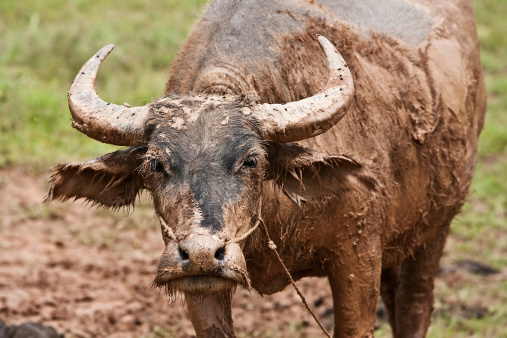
220,254
183,254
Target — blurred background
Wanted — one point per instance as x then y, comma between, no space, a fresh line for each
43,44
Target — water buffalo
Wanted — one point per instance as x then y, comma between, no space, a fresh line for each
356,167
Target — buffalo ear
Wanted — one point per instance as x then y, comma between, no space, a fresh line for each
111,180
305,175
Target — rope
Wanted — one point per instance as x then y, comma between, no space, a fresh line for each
246,234
272,246
249,232
169,232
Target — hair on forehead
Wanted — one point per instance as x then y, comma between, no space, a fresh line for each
204,115
223,101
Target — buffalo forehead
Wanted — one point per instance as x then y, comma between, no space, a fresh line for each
216,137
202,158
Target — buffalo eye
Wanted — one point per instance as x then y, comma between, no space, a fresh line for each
250,162
155,165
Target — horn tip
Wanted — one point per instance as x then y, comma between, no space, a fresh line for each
104,51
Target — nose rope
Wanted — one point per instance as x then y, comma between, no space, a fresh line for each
245,235
250,231
169,232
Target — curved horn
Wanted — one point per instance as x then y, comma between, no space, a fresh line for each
100,120
314,115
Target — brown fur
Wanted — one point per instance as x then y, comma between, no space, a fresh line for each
413,125
368,203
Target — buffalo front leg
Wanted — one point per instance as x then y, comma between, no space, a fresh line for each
211,314
388,285
414,296
354,277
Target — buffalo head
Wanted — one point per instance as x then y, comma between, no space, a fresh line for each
203,159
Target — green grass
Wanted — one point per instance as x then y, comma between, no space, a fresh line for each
44,44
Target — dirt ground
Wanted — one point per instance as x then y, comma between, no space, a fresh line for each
87,272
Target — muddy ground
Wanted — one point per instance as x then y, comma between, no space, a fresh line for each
87,272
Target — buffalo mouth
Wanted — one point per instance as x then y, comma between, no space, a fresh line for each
224,281
200,284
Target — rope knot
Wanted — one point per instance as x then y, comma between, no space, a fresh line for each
272,245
